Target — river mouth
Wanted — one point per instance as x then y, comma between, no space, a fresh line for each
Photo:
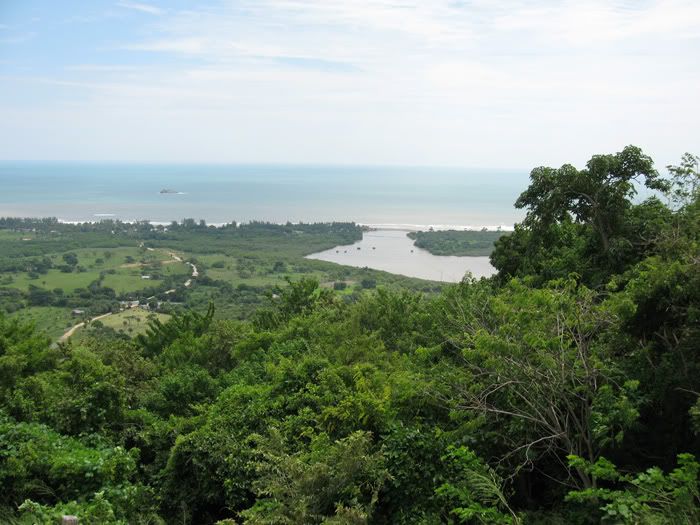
392,251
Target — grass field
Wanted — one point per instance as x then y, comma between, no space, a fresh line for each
129,279
54,279
128,264
7,235
130,322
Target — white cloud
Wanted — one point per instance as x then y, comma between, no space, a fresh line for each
596,22
144,8
389,81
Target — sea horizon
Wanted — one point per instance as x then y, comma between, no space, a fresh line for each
392,197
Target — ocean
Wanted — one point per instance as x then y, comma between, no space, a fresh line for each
388,197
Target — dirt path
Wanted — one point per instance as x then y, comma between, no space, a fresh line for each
73,329
188,283
195,273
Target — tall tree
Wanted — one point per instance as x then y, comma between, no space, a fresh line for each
598,195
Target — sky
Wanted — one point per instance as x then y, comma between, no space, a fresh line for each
482,83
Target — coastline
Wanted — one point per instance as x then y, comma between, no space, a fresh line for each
368,226
438,227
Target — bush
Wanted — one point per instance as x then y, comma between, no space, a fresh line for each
368,283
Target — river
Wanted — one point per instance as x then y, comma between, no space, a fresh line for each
392,251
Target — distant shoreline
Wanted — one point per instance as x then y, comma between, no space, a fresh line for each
437,227
368,226
407,227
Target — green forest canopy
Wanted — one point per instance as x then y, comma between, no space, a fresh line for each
563,390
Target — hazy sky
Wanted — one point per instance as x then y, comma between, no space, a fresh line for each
470,83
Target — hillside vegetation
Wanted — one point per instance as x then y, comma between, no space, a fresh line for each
564,390
48,268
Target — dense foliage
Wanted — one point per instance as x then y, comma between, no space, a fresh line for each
565,390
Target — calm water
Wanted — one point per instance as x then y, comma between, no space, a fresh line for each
393,196
393,251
